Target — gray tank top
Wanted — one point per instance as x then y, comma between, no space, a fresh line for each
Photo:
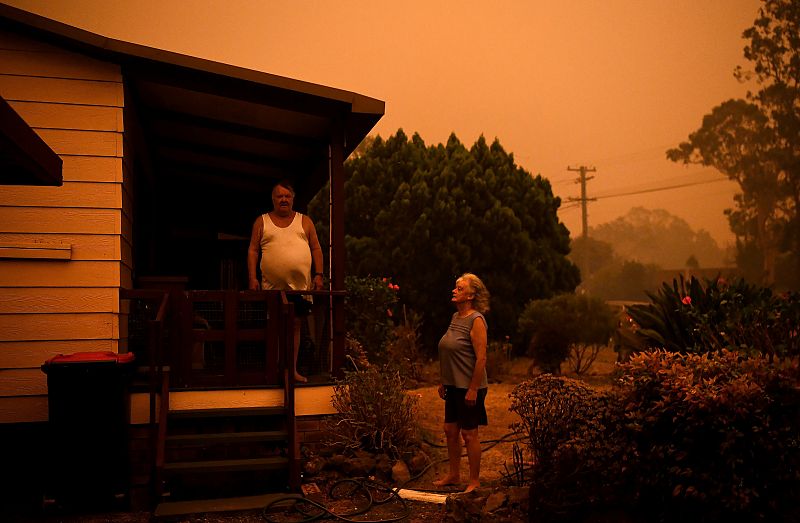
456,354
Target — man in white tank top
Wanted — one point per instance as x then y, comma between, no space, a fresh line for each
289,249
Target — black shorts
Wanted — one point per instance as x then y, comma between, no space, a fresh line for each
456,411
302,307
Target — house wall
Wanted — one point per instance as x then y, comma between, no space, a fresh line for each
64,251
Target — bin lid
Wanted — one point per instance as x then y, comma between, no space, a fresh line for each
91,357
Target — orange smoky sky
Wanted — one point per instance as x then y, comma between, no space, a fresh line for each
608,84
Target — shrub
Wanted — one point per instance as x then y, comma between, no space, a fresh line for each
713,435
708,437
374,413
695,317
581,356
498,360
369,309
402,347
554,325
355,353
571,433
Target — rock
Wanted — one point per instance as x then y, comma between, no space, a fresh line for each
359,466
331,449
494,502
314,466
418,462
383,467
454,510
487,505
400,473
473,504
364,454
518,495
336,461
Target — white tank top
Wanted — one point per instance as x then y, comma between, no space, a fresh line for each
285,256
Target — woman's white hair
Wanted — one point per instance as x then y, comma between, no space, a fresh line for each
480,299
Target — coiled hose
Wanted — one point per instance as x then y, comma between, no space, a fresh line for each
311,510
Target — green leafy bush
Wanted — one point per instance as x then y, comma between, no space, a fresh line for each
369,308
553,326
697,317
712,434
374,413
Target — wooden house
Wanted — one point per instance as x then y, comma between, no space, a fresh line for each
124,228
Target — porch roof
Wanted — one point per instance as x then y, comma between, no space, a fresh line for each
215,124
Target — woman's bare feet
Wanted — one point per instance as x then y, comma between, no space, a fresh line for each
447,480
472,486
300,378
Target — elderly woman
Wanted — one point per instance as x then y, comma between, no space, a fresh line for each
462,362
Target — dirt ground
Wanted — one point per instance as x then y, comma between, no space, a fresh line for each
430,413
496,459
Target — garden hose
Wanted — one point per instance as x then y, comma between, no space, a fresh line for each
312,511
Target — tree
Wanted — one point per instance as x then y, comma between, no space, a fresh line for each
566,325
590,254
774,50
757,142
624,257
654,236
626,280
424,215
736,139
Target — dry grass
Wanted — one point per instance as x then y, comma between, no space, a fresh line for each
495,458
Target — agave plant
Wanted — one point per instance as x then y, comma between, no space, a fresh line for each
693,317
666,322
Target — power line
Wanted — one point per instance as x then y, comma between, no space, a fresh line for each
657,189
642,191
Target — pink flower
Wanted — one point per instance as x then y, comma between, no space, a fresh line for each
396,287
389,312
687,300
383,279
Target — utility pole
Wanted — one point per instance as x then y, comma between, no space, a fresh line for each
583,199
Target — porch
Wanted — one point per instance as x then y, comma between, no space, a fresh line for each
215,394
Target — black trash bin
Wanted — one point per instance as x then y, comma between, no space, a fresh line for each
89,413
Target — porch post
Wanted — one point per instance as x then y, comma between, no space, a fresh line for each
337,244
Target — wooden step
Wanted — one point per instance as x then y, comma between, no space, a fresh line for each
220,413
182,508
225,437
227,465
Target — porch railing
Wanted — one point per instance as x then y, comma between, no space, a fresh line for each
231,339
234,338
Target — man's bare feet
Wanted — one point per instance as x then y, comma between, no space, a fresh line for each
300,378
447,480
471,486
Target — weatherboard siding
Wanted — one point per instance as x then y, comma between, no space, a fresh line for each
64,251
